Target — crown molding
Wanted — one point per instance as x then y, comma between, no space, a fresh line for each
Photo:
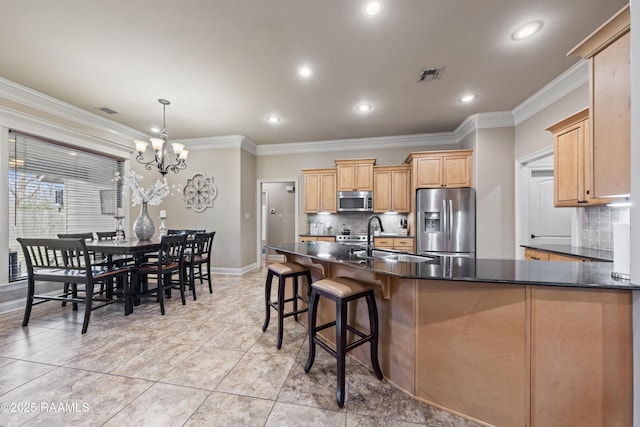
576,76
219,143
498,119
21,122
382,142
38,101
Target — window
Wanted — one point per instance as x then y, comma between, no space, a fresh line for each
57,189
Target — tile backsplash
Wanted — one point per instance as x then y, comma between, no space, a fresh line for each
597,225
356,221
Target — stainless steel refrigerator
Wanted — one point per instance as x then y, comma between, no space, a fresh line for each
446,221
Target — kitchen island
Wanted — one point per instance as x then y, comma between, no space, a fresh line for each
501,342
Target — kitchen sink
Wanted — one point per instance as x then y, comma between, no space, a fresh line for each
391,256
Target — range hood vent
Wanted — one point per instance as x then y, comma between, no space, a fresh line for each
429,74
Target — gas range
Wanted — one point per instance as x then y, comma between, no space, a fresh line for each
352,239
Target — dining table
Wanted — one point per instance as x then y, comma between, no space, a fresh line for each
137,249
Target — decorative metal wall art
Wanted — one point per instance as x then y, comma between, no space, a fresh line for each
199,192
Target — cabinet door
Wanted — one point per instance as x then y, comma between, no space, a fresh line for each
429,172
382,190
383,242
400,191
403,244
581,366
559,257
457,171
363,177
568,166
532,254
611,119
328,192
346,177
311,192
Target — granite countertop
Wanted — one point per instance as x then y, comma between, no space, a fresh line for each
515,272
594,254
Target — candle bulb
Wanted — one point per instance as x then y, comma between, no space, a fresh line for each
119,212
163,214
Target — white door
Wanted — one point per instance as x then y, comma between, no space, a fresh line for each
547,224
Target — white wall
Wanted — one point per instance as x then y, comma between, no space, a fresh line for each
495,214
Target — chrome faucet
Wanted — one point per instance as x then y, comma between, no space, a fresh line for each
369,241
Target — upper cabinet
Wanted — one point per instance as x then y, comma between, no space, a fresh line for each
319,190
572,152
355,174
608,52
392,188
436,169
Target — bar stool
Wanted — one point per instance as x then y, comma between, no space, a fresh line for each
283,271
342,290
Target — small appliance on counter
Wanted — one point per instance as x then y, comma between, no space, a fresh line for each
404,229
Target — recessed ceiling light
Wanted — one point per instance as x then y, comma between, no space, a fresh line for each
468,98
273,119
364,108
372,8
305,71
527,30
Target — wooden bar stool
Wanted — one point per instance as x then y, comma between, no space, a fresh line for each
342,290
283,271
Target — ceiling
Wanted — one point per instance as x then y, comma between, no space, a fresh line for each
225,65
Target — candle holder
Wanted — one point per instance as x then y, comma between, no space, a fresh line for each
163,227
119,228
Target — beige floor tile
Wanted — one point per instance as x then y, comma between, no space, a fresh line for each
286,414
18,372
154,362
160,405
257,375
226,410
204,368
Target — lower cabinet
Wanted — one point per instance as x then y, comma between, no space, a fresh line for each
528,355
316,239
538,255
397,243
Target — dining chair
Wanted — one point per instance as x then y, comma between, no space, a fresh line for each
87,237
68,261
169,262
198,255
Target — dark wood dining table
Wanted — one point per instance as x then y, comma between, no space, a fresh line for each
138,249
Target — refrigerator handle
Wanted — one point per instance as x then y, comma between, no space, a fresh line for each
450,221
445,221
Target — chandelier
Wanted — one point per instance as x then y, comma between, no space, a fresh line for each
161,159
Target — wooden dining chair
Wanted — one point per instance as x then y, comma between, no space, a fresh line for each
68,261
198,255
169,262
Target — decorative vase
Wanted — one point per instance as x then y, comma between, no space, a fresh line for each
143,227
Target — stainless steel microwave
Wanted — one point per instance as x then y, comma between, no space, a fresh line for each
355,201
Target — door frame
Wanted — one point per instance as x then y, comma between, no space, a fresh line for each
522,194
259,211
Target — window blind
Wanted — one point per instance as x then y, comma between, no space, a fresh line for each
55,189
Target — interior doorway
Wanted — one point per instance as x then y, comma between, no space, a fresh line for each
277,216
537,220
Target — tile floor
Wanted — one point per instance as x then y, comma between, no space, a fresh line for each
207,363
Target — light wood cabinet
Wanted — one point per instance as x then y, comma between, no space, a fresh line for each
572,157
436,169
397,243
392,188
355,174
540,255
316,239
319,190
608,52
581,366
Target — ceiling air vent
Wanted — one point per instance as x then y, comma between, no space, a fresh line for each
107,110
431,74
